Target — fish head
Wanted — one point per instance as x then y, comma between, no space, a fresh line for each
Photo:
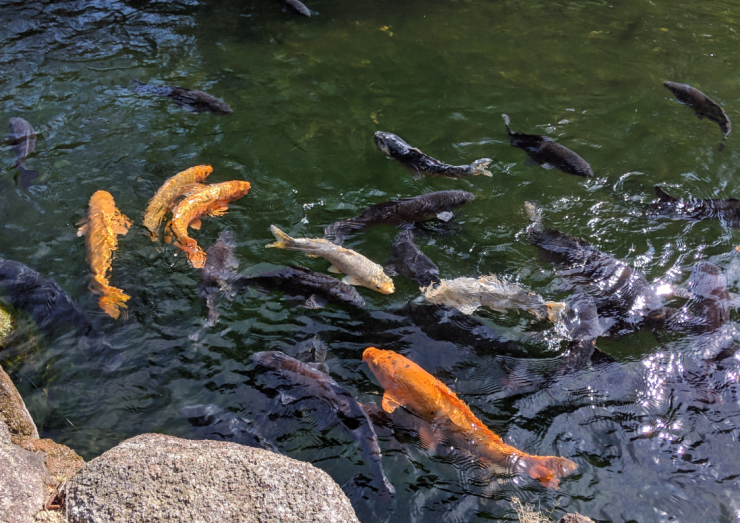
385,287
103,199
381,363
548,470
390,144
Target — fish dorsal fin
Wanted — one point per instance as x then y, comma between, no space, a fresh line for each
195,224
390,403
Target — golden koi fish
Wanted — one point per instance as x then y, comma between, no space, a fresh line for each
211,200
359,270
408,385
103,224
171,190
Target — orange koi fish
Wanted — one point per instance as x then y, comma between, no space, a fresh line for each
408,385
172,189
211,200
104,222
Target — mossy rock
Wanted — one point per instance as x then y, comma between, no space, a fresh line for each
6,324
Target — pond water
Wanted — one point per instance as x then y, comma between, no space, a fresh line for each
655,434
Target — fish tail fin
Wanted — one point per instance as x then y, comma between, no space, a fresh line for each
547,469
196,255
283,240
507,121
554,310
112,301
663,196
27,176
479,167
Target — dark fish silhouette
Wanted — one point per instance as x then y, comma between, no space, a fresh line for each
53,311
300,281
582,326
218,273
296,7
313,353
212,422
549,154
725,210
420,165
23,138
702,105
708,287
300,383
409,261
193,101
401,212
621,292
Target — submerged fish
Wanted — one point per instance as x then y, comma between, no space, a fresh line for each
212,422
581,325
467,294
211,200
101,228
408,385
23,138
708,287
420,165
702,105
297,280
409,261
616,286
547,153
193,101
359,270
401,212
313,353
164,199
301,383
296,6
218,274
725,210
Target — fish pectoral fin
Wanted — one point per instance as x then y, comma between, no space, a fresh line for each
218,208
121,224
195,224
416,175
82,230
467,308
352,280
315,302
390,403
333,269
547,166
445,216
430,438
529,162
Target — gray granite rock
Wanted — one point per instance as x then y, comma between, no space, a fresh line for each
13,410
23,481
154,478
575,517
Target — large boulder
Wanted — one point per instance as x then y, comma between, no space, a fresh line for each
13,411
154,478
575,517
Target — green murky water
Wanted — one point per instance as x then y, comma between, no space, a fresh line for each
655,435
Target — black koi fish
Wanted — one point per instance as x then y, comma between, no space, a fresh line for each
300,383
702,105
409,261
420,165
582,326
297,280
549,154
405,211
193,101
23,138
618,289
313,353
725,210
296,6
708,287
214,423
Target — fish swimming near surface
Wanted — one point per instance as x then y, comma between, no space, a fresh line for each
548,153
707,286
193,101
313,353
407,385
409,261
580,324
214,423
296,6
316,287
211,200
101,229
359,270
300,383
405,211
702,105
165,197
725,210
467,294
420,165
23,138
620,292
